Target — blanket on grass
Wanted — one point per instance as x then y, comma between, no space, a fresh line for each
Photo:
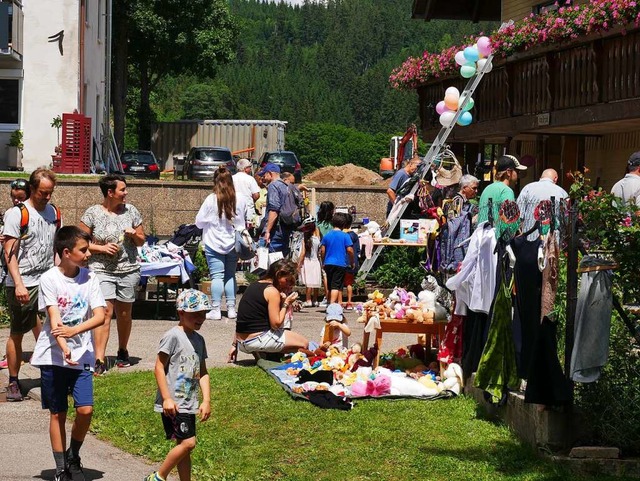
324,396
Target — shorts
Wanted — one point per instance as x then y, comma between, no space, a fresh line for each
179,427
268,341
24,317
349,279
56,384
121,287
335,277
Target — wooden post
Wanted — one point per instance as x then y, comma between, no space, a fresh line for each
572,290
313,202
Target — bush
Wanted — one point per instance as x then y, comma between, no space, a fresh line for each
402,267
202,268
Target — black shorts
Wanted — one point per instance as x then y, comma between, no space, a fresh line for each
182,426
335,277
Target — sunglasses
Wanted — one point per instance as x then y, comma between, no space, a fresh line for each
19,184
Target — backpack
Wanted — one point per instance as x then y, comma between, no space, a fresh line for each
24,218
290,208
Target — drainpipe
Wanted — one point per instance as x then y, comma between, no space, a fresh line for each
81,56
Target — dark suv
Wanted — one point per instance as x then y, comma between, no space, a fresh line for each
202,162
286,160
140,164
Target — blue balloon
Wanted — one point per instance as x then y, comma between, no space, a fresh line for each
471,54
465,119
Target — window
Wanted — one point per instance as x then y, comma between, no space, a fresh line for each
550,6
9,101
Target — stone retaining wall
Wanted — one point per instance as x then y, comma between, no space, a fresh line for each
167,204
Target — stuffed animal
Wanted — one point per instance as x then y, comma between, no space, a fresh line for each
427,300
453,380
373,228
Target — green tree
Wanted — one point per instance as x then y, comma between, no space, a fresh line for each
157,38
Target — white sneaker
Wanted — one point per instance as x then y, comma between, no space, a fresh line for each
214,314
324,303
307,304
231,312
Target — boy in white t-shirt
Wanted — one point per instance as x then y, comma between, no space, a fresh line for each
73,303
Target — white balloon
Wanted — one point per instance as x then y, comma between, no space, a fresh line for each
460,58
446,118
452,91
481,64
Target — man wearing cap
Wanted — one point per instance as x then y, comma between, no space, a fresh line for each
275,234
533,193
628,188
507,169
244,183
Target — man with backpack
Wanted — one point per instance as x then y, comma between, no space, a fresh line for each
29,230
282,213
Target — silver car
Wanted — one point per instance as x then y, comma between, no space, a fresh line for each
202,162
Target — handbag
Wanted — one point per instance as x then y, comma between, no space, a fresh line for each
447,177
260,262
245,247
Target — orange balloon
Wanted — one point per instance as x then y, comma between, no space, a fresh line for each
451,102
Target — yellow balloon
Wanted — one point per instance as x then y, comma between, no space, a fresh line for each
451,102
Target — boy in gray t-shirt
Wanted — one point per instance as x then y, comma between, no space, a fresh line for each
181,372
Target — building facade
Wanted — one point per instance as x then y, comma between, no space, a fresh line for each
53,60
566,106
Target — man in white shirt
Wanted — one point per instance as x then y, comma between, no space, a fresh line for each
628,188
244,183
533,193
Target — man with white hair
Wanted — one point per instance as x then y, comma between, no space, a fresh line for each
244,183
533,193
459,203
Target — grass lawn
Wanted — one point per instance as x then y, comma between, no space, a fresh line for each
257,432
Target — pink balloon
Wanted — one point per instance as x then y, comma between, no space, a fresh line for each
484,46
440,107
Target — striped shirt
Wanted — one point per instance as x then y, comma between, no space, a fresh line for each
531,196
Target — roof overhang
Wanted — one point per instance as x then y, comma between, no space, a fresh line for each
474,10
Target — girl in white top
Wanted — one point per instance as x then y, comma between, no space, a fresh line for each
309,263
221,214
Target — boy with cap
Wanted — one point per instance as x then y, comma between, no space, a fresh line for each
335,331
628,188
180,369
507,169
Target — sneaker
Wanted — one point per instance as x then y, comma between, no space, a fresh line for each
3,363
122,359
231,312
100,368
13,392
323,303
63,476
74,467
153,477
214,314
307,304
349,307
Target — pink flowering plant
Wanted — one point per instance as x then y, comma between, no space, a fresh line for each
607,224
564,24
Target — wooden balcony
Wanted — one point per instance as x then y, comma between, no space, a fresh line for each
590,86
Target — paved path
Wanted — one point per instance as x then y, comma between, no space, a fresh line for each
26,452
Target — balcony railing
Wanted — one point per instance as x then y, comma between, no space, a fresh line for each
585,73
11,28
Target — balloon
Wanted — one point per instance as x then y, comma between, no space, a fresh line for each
465,119
471,54
452,91
481,64
469,105
451,102
460,59
446,118
484,46
475,45
440,107
468,70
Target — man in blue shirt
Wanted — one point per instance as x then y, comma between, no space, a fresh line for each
276,235
400,178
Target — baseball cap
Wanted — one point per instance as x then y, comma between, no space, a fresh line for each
634,160
334,312
269,167
509,162
192,300
243,164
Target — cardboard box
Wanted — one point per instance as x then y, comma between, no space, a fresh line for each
409,229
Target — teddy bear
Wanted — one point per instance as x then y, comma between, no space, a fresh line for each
453,379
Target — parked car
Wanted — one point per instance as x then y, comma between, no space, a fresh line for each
202,162
286,160
140,164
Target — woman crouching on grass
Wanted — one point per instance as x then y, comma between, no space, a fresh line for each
261,314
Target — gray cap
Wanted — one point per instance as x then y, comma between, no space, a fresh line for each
243,164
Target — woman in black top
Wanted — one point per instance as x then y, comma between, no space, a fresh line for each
262,310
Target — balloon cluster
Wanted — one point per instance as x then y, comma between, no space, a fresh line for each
471,59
